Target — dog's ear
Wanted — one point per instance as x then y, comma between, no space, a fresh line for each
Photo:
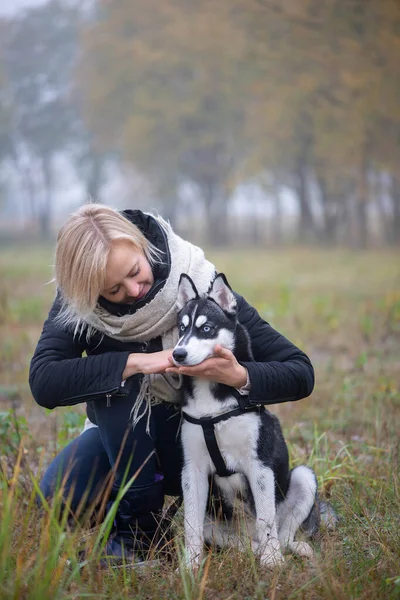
222,293
186,291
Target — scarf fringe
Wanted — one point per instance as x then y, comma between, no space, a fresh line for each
149,396
146,400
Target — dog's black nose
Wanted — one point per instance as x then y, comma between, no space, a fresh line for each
179,354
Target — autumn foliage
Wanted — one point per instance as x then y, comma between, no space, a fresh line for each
296,98
296,93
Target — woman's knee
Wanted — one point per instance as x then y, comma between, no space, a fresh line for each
77,473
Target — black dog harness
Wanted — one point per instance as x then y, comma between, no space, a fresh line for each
207,424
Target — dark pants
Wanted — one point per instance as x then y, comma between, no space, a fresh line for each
85,464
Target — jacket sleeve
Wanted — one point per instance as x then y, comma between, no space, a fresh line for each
280,371
60,376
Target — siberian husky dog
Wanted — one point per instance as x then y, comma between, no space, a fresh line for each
239,453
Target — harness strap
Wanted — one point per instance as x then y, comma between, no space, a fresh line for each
207,424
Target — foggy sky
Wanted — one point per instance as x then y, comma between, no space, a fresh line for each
10,7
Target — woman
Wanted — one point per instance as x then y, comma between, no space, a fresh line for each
117,277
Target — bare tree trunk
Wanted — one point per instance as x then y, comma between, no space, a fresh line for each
306,226
46,208
253,225
360,213
254,238
27,182
272,189
277,231
31,191
216,206
395,194
93,184
329,207
379,197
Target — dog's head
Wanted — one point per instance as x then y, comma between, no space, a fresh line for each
204,321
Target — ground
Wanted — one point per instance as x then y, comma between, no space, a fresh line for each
343,309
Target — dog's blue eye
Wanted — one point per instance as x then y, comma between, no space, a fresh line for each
182,327
206,328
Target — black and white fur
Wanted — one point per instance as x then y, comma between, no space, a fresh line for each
279,501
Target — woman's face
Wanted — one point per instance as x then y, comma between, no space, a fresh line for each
128,274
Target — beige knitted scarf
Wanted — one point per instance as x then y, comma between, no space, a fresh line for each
158,318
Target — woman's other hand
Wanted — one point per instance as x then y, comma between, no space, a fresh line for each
221,368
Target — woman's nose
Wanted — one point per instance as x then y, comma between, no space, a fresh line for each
133,288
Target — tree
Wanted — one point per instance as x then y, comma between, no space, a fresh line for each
160,86
40,49
321,73
215,94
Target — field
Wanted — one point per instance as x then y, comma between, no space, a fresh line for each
343,309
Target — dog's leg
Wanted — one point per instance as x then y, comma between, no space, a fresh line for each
195,490
262,484
296,507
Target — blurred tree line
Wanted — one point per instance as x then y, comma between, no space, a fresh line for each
294,98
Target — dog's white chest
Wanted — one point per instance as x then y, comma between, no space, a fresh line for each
236,437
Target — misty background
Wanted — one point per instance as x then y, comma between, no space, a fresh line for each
242,121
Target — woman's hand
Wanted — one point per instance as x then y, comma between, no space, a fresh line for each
221,368
153,362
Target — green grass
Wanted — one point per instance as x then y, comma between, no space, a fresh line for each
343,309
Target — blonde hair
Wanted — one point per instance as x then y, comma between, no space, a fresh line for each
83,247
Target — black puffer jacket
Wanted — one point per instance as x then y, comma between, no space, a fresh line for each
61,376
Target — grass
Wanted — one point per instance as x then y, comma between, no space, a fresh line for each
343,309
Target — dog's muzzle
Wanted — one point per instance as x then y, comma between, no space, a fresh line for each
179,355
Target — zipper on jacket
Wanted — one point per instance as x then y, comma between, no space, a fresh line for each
275,401
107,394
108,397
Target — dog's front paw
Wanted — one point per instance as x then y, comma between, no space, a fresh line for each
301,549
271,555
272,559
